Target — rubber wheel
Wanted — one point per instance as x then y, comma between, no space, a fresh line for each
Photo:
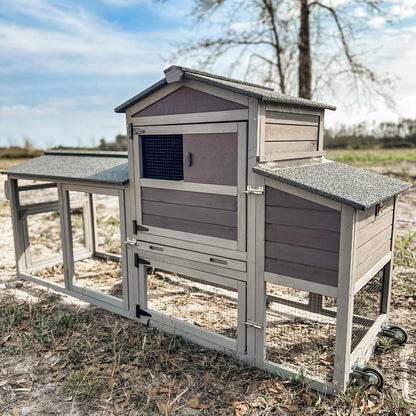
378,379
400,336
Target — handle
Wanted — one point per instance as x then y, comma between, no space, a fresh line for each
219,261
188,159
156,248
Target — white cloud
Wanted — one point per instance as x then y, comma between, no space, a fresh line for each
377,22
74,41
359,12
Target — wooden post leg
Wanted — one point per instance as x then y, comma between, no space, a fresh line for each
345,299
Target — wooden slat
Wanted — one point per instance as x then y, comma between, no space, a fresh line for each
304,237
371,260
369,231
277,148
287,132
365,217
197,199
275,197
372,245
329,221
302,255
291,118
189,213
301,271
212,230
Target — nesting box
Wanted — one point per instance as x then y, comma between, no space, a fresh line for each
237,233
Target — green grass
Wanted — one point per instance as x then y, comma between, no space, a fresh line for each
369,156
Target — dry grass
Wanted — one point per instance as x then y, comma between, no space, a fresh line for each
100,363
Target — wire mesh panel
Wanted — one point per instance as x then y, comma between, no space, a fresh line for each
300,332
203,304
96,270
162,157
367,308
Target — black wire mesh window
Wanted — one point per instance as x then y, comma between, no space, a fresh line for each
162,157
204,304
367,308
301,330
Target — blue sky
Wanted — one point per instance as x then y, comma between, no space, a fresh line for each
65,65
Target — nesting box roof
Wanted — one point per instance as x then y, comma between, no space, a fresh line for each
349,185
85,166
261,93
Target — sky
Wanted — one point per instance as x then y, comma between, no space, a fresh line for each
65,65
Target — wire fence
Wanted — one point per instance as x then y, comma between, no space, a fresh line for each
367,308
301,330
204,304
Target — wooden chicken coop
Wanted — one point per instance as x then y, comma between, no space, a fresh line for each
234,231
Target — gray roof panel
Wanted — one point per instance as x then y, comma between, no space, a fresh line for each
92,167
259,92
349,185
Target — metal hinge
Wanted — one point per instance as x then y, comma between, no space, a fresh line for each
130,242
138,227
138,260
253,324
255,191
140,312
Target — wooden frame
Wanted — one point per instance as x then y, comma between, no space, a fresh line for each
135,165
189,331
68,248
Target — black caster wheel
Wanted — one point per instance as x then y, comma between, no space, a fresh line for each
400,336
368,376
373,377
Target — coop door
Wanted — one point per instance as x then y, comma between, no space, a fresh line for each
189,182
96,256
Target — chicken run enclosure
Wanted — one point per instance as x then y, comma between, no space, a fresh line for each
224,224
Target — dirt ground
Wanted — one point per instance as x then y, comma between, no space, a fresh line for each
139,371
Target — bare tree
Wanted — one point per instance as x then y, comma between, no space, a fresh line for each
295,45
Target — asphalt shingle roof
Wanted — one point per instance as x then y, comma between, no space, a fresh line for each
95,167
245,88
349,185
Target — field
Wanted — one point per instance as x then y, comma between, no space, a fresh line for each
60,356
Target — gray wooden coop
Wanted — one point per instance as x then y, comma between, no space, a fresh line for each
234,231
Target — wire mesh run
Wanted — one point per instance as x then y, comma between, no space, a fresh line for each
162,157
301,331
367,308
204,304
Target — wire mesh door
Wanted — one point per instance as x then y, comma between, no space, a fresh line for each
300,331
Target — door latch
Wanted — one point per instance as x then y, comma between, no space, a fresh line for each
254,191
256,325
130,242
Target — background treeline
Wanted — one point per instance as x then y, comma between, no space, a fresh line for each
365,135
385,135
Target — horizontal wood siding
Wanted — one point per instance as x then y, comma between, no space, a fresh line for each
279,149
302,238
373,238
198,199
187,100
198,213
286,134
291,118
214,158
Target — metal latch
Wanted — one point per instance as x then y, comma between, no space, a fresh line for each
255,191
130,242
253,324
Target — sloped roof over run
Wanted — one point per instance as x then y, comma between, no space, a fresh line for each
264,94
92,167
349,185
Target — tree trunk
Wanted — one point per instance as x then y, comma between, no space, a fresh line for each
304,45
